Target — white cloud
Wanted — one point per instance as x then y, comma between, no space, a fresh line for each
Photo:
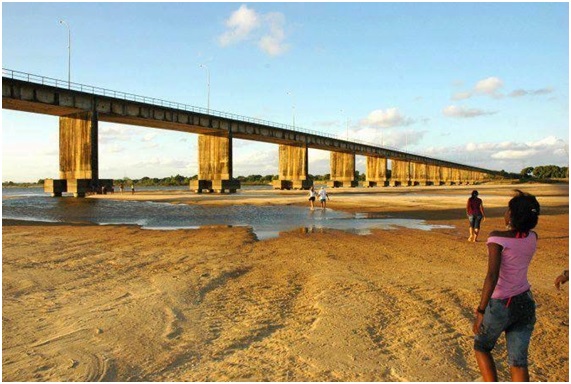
115,132
462,112
388,118
489,86
461,95
267,29
492,86
240,24
149,137
256,162
514,154
114,148
531,92
273,43
162,162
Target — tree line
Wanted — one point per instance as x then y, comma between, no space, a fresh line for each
542,172
545,172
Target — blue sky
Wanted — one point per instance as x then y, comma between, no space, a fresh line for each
484,84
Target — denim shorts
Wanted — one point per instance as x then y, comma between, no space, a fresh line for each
475,221
515,316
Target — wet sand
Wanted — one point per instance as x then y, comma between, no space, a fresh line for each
118,303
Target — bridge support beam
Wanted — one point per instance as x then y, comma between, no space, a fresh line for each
400,173
455,179
78,157
293,168
433,174
376,174
215,165
419,174
446,175
342,170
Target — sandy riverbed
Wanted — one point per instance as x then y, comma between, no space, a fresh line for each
84,303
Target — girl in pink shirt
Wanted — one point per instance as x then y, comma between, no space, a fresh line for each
506,304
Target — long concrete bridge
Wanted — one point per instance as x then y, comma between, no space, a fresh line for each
81,107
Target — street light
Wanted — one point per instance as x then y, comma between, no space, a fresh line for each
68,52
292,107
208,84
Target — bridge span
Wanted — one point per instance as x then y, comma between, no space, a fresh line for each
81,107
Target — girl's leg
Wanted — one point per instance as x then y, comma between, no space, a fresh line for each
519,374
487,366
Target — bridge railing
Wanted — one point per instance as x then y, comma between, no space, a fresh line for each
62,84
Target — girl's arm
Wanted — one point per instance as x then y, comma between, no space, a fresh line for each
482,209
494,262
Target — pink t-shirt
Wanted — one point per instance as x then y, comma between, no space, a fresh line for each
516,256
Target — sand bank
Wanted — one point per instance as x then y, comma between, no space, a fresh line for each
85,303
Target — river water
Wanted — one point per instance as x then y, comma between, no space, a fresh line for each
266,221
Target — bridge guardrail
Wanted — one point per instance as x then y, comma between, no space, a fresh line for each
63,84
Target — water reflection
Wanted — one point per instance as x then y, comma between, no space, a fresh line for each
265,221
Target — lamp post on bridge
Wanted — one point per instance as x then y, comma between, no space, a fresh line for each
208,84
68,52
292,107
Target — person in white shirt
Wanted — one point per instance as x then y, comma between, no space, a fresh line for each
312,194
323,197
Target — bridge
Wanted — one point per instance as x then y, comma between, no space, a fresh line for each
80,108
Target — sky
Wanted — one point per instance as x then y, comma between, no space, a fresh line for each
482,84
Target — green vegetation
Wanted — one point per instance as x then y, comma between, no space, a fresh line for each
11,184
540,173
543,172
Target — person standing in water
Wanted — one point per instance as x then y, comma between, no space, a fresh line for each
475,212
506,304
312,194
323,197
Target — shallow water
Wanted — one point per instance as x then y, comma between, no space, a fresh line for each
266,221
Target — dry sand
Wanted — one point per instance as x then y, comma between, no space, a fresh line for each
88,303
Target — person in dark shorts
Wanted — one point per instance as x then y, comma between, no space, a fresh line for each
475,212
312,195
506,304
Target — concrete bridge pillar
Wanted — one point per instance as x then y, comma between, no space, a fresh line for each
419,174
78,157
293,168
215,165
455,178
433,174
342,170
445,174
400,173
463,176
376,172
469,177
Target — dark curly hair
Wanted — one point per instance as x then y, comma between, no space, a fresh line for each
524,211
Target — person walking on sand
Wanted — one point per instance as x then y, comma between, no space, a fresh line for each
132,189
475,212
312,194
506,304
323,197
